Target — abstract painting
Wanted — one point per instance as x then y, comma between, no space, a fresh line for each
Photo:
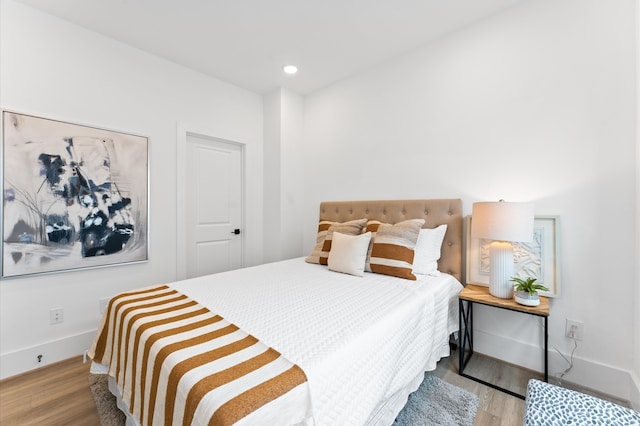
74,196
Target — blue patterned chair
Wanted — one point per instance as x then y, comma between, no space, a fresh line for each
550,405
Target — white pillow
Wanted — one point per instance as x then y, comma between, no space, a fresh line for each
349,253
427,251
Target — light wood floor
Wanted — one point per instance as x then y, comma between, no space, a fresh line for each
59,395
56,394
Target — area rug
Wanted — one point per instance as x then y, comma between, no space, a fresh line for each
435,402
108,411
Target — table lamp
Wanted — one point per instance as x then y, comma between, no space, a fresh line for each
504,223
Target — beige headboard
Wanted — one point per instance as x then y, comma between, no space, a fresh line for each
435,212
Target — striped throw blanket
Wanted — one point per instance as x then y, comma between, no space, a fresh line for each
178,363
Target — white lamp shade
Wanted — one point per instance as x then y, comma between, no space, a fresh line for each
503,221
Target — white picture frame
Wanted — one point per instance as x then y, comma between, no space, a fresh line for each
75,196
538,259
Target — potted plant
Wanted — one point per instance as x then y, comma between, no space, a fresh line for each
526,291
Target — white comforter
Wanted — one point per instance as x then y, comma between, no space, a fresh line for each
359,340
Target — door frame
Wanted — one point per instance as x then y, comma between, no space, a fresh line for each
183,132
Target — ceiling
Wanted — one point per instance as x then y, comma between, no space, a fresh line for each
246,42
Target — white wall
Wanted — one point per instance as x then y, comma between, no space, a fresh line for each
292,171
272,125
636,397
283,175
535,104
57,70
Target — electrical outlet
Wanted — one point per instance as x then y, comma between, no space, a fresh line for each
574,329
56,316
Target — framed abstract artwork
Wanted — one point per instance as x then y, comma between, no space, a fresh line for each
74,196
538,259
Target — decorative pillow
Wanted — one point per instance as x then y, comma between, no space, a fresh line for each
320,252
427,251
348,253
372,226
393,246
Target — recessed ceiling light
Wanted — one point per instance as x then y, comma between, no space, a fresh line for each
290,69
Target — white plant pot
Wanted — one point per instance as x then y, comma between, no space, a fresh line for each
526,298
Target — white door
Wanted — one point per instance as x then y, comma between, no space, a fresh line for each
214,206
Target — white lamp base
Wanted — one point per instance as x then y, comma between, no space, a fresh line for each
501,269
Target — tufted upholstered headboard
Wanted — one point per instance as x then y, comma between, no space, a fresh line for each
435,212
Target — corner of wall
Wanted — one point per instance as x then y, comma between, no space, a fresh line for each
283,173
587,373
635,388
634,398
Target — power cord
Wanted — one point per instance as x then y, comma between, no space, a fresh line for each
569,361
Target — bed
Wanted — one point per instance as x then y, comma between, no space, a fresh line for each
336,345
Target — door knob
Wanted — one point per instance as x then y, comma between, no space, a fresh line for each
236,231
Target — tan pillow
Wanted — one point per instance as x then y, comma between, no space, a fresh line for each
372,226
393,247
320,253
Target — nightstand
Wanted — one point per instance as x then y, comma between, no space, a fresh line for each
478,294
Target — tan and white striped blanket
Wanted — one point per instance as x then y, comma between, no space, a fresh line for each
178,363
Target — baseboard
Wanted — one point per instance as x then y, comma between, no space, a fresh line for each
23,360
635,392
601,378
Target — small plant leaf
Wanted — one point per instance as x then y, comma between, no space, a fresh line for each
528,284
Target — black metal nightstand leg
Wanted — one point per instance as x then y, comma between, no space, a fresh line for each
466,334
546,349
461,345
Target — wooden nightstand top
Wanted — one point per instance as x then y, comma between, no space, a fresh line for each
480,294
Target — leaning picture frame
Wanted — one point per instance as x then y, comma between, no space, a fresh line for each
538,259
74,196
